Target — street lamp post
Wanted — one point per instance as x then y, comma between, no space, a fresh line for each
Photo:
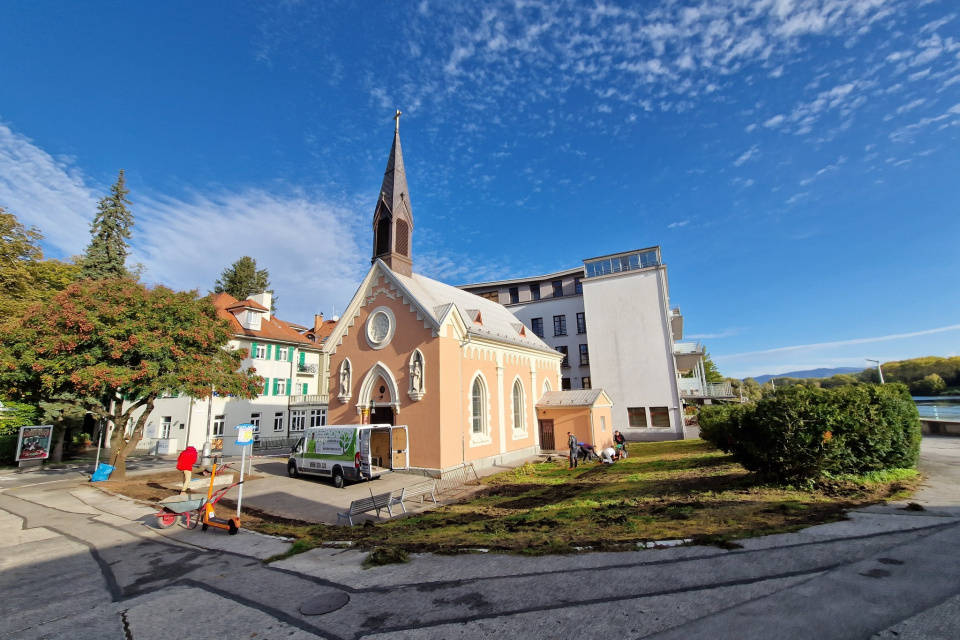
879,370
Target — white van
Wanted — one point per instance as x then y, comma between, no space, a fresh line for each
349,452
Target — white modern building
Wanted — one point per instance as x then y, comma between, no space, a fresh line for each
294,395
613,321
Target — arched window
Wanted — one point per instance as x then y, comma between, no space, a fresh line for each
478,406
518,413
546,388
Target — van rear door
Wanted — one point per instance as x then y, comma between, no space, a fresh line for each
364,454
398,447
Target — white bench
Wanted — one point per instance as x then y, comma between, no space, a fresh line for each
421,489
363,505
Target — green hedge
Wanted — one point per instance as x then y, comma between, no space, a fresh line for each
805,432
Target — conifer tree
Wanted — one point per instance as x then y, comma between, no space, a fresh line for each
106,256
242,279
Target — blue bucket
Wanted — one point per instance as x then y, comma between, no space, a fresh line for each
102,473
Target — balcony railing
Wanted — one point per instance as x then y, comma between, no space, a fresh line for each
692,387
687,348
306,368
310,399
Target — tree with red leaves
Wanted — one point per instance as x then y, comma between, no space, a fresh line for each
114,346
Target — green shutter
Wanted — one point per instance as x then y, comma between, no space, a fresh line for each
305,389
266,387
303,357
253,350
290,354
289,387
276,386
268,351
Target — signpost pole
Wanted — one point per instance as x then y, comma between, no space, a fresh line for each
243,454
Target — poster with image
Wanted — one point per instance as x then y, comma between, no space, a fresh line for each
34,443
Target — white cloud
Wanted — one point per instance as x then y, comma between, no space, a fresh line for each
47,193
749,154
675,225
307,243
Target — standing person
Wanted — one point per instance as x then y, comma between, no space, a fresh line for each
185,462
574,449
620,443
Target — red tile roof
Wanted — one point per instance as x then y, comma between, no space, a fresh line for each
271,328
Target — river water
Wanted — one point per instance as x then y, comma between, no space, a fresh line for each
942,407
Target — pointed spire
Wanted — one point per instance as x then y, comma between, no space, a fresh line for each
393,216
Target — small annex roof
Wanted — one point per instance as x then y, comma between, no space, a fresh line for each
575,398
271,328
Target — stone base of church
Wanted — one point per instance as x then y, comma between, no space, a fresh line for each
499,460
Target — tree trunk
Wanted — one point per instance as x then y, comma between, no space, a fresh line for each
120,447
59,431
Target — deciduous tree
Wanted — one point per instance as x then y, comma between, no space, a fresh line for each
114,346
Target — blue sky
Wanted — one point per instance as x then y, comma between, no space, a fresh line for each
797,161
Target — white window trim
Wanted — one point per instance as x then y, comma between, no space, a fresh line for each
484,438
519,433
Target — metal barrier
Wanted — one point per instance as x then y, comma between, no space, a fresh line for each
453,481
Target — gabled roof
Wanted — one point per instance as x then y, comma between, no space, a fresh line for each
575,398
434,301
271,328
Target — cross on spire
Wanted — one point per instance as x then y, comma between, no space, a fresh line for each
397,118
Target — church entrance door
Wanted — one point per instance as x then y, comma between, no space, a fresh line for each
546,435
381,415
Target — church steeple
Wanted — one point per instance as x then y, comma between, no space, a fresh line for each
393,217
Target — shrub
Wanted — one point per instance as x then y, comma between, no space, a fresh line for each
804,432
8,449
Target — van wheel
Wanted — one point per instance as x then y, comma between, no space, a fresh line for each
292,469
338,478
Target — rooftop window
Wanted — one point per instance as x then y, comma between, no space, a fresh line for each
623,262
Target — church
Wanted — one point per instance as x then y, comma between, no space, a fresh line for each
462,372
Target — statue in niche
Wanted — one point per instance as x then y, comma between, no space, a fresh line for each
417,374
345,378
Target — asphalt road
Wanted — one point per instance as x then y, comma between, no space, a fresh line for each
76,563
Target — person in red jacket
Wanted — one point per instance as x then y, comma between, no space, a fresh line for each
185,462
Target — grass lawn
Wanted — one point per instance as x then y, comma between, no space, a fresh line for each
664,490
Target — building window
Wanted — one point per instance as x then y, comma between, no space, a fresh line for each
557,288
514,295
577,286
659,417
566,356
491,295
282,354
278,421
586,382
559,325
637,416
518,423
255,421
318,417
565,384
165,423
297,419
218,424
581,322
584,356
478,411
603,422
281,387
536,325
535,291
261,352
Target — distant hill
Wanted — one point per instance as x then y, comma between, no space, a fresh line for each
809,373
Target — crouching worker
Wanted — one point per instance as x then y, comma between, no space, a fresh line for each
587,452
185,462
607,456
